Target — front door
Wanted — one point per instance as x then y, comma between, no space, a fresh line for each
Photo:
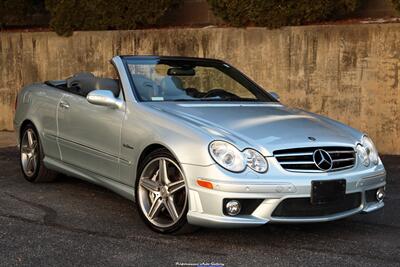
89,135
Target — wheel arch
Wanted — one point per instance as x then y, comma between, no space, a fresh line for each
147,150
181,225
23,126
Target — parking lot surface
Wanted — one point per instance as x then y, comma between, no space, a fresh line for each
71,222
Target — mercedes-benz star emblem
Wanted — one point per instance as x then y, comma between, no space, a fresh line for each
322,160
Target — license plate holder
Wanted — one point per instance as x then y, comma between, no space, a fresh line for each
323,192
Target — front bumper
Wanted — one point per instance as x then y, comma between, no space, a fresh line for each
206,205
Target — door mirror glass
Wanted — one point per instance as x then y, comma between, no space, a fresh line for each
104,98
275,95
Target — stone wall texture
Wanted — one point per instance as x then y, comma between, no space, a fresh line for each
347,72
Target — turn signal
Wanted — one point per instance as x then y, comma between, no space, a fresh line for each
205,184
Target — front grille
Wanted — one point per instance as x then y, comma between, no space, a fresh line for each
302,159
302,207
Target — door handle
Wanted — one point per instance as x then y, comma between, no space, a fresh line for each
64,104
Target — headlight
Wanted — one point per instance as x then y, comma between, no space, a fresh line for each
363,155
255,160
370,148
232,159
228,156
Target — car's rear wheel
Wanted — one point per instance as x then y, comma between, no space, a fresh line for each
31,157
162,194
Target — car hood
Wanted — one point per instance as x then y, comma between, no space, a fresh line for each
267,127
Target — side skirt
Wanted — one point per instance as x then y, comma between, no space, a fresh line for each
119,188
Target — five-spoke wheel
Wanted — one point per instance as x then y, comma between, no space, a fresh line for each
29,152
161,192
31,156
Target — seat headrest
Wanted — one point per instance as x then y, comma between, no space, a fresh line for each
81,83
172,86
107,84
85,82
146,87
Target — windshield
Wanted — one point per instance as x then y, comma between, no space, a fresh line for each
191,80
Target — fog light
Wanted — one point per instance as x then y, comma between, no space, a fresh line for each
232,207
380,194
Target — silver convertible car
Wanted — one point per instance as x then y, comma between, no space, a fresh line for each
194,141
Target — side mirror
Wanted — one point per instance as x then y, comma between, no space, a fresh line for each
275,95
104,98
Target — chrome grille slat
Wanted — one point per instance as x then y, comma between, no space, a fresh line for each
295,154
295,162
307,171
302,159
342,160
338,152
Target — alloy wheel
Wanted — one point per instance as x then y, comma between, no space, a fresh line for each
29,152
162,192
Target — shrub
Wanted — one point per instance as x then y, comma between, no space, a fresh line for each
277,13
70,15
20,13
396,4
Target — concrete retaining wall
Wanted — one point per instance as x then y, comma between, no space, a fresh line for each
349,72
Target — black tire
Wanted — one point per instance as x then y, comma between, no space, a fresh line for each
41,173
181,226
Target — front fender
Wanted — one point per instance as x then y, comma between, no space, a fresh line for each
147,126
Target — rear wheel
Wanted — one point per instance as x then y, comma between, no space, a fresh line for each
162,194
31,157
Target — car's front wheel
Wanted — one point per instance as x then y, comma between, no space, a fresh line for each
161,193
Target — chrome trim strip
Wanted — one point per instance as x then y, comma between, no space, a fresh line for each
85,146
343,151
341,160
319,171
304,171
93,149
294,154
296,162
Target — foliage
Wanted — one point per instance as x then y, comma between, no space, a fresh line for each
20,12
396,4
277,13
70,15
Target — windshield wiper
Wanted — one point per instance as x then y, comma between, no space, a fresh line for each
184,99
231,99
217,99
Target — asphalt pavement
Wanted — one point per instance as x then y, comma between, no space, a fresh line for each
74,223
